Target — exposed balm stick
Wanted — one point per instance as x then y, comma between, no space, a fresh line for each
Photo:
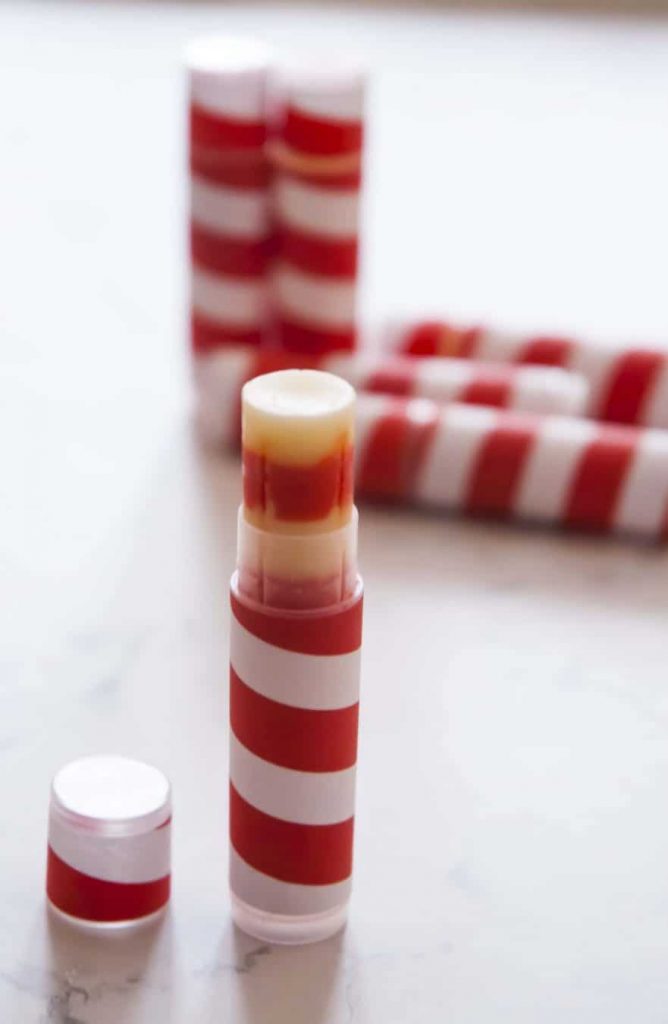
627,385
563,471
294,660
528,388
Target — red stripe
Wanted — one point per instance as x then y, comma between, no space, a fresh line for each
489,386
293,336
317,254
394,452
306,741
93,899
394,377
546,352
325,631
597,484
218,131
238,169
298,493
207,336
304,854
223,254
633,377
499,465
270,361
346,181
321,136
435,338
422,339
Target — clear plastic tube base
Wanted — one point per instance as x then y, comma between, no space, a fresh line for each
286,930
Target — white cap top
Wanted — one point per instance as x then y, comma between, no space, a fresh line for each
228,76
324,89
110,794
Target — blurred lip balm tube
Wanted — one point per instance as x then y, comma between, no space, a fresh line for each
627,384
230,217
558,470
536,389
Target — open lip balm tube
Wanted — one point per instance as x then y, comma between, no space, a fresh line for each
294,650
108,861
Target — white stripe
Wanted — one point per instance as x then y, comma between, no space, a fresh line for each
128,859
444,478
353,368
443,380
306,798
320,300
228,300
655,410
552,461
276,897
368,410
595,361
228,75
549,390
327,90
315,210
644,498
240,212
317,682
218,381
499,346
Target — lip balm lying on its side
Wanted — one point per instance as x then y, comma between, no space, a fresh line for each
294,660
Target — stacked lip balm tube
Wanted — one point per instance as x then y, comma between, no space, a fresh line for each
627,384
275,178
317,166
230,224
443,409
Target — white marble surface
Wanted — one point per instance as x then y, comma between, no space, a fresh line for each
512,837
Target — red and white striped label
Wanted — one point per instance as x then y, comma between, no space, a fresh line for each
627,385
568,472
111,878
294,691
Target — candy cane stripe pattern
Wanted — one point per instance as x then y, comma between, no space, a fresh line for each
109,841
230,227
536,389
567,472
296,631
627,385
317,162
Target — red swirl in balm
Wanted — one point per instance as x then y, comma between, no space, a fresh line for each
296,602
297,433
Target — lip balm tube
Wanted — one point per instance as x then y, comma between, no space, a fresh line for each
538,389
316,155
230,220
295,641
558,470
627,384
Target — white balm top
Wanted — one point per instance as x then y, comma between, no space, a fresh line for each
297,417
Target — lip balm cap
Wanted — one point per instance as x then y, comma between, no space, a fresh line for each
109,842
111,795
